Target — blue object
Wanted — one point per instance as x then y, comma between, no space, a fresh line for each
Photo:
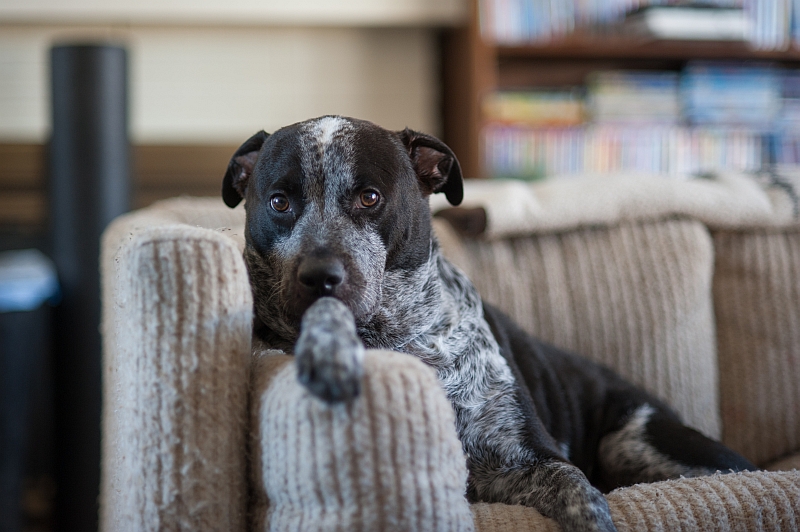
27,280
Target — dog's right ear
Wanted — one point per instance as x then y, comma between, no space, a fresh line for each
240,168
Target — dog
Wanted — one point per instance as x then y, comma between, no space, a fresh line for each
341,256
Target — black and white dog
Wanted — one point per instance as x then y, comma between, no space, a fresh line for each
341,256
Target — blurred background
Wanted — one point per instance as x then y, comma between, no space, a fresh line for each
107,106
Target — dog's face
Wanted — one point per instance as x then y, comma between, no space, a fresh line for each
333,206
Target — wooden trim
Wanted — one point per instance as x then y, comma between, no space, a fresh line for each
22,208
469,73
617,47
22,166
176,166
159,172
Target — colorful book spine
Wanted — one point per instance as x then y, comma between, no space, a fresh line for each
539,152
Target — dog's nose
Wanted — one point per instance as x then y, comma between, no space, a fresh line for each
321,275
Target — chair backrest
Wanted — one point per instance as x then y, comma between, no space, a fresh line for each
633,296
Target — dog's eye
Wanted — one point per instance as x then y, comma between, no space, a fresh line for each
279,202
368,198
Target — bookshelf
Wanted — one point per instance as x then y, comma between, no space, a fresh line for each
473,68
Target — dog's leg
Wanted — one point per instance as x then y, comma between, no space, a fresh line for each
512,459
329,354
556,489
650,444
506,465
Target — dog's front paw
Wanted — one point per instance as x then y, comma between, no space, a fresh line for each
329,354
584,508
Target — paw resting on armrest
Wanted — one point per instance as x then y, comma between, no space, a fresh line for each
329,354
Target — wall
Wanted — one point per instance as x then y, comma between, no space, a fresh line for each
206,74
221,84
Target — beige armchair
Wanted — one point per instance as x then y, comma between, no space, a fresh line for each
201,434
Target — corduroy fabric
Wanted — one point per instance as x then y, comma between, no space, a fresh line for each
508,518
390,461
635,297
177,321
751,502
746,502
757,302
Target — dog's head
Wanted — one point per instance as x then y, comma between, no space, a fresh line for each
333,204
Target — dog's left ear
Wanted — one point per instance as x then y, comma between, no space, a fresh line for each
435,164
240,168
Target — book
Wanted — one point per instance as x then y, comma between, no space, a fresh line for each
730,94
689,23
633,97
535,108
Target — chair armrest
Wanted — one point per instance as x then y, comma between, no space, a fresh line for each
757,501
177,321
389,461
742,501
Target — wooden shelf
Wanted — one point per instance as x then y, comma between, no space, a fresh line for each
620,47
473,68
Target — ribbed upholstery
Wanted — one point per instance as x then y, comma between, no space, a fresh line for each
177,321
757,301
390,461
751,502
636,297
507,518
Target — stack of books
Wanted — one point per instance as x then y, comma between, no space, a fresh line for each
718,94
535,108
786,140
633,97
686,22
709,118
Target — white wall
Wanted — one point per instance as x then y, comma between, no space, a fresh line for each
218,84
271,12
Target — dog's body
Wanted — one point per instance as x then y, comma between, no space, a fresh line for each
341,256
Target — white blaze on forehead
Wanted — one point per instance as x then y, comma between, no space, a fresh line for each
327,155
326,127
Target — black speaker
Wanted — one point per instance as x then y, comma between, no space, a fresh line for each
89,167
